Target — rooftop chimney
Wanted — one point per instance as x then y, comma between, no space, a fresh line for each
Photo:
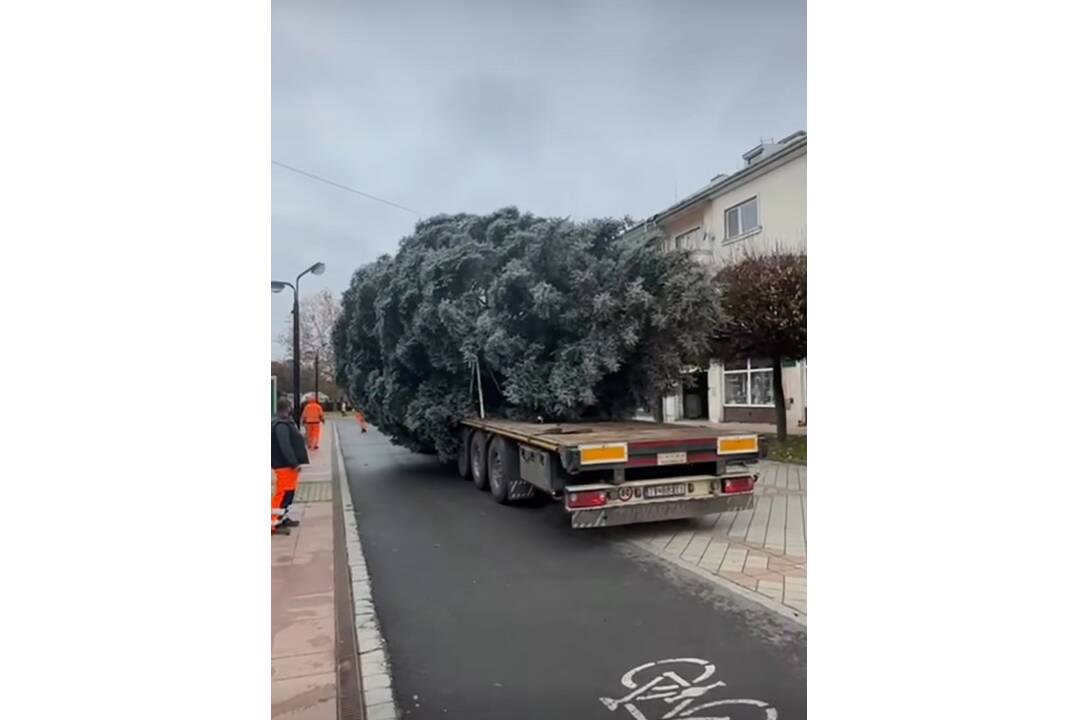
767,147
760,151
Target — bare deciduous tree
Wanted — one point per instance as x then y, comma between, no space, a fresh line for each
318,313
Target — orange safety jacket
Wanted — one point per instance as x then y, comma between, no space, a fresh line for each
313,413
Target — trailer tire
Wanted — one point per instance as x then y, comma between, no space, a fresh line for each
463,453
502,467
478,459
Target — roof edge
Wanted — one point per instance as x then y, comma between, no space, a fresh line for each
713,189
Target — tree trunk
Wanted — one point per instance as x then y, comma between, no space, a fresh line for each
778,398
658,409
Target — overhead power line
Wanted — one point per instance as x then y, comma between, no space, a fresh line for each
338,185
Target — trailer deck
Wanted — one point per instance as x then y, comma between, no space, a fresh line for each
612,473
554,436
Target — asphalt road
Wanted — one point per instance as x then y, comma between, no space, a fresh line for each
496,611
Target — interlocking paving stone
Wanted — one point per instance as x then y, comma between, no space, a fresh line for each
762,549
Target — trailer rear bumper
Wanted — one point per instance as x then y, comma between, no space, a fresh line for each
658,511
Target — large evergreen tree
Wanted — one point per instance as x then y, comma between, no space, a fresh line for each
565,320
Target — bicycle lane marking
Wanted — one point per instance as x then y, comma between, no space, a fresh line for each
678,691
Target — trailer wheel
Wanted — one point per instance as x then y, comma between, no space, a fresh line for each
463,453
478,459
502,466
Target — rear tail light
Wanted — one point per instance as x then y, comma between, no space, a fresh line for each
588,498
739,484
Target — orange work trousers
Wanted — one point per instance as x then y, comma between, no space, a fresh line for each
362,420
314,430
287,480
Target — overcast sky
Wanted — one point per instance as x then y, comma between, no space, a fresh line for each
577,108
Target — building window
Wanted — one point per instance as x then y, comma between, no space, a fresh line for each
741,219
688,240
748,383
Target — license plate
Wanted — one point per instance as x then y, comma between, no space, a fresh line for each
659,491
677,458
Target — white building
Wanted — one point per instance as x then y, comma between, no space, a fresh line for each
761,206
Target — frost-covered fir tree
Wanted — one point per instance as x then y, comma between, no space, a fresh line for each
566,321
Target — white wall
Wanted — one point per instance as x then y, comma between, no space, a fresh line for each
781,195
793,393
673,407
716,391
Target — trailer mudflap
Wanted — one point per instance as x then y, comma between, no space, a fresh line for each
653,512
520,490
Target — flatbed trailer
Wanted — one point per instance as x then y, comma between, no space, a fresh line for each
612,473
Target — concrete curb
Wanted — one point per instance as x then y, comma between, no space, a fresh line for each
378,695
777,607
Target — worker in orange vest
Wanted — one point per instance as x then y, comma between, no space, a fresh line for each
313,418
361,419
287,454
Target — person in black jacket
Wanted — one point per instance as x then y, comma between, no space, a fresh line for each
288,452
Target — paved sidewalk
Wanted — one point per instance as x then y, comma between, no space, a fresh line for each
762,550
303,664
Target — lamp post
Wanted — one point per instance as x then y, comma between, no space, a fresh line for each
277,286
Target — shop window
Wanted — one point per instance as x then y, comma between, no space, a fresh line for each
748,383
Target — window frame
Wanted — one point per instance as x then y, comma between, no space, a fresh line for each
688,234
743,232
745,369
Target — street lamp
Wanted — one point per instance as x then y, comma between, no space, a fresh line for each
277,286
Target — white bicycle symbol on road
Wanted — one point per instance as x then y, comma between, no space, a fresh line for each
675,690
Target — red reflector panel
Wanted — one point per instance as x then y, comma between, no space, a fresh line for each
736,485
589,498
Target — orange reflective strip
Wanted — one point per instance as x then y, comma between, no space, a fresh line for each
725,446
595,454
